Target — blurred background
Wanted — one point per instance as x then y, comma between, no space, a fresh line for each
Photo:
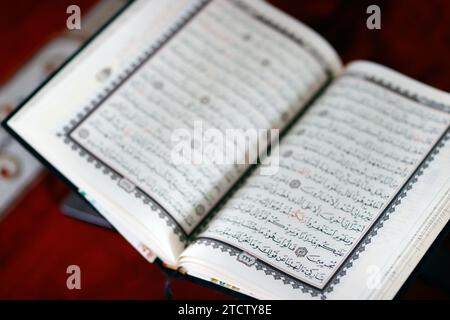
38,241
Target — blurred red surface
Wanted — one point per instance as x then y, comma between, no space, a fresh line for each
37,242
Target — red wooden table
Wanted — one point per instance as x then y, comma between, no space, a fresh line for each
37,242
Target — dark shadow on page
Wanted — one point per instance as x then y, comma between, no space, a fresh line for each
76,207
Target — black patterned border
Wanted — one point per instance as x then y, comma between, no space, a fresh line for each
400,91
134,67
287,33
295,283
260,265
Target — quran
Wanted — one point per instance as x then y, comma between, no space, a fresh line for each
347,189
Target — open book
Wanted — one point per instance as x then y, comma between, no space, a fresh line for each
143,120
